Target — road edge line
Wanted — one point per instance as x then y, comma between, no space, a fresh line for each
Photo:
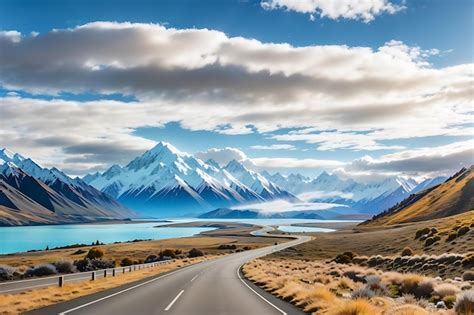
258,294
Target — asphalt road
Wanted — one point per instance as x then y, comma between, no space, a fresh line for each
213,287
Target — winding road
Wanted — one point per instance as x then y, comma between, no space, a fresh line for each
214,287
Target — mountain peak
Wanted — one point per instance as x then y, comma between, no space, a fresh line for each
163,146
213,163
235,166
9,156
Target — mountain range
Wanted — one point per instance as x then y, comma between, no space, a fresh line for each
361,198
167,182
31,194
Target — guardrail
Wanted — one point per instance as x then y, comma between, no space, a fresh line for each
60,280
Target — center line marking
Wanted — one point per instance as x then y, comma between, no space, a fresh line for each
174,300
194,278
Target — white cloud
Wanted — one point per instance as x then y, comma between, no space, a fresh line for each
274,147
337,97
222,156
365,10
285,206
289,163
445,159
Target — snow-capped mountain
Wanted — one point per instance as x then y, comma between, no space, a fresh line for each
365,198
31,194
167,182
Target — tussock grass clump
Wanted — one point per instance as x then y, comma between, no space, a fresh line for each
321,287
410,282
407,309
446,289
353,307
465,303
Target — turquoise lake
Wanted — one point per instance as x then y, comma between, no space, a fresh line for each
24,238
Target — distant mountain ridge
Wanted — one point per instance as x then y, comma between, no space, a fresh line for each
165,182
31,194
362,198
451,197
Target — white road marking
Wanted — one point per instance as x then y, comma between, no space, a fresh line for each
123,291
274,306
194,278
174,301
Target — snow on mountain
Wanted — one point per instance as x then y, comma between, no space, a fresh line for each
34,194
365,198
165,181
429,182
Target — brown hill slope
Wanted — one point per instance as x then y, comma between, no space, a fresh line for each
25,200
454,196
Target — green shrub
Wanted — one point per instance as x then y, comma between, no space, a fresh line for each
87,264
126,262
451,236
65,266
151,258
407,251
342,259
431,240
421,232
168,253
95,253
424,289
42,270
468,275
350,254
195,253
463,231
227,246
7,272
468,261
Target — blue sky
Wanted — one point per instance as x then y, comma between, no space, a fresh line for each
424,110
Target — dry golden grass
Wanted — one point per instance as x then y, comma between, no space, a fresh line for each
389,241
325,288
37,298
447,199
352,307
407,310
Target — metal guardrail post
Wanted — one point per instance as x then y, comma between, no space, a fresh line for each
93,275
105,273
123,269
113,272
61,281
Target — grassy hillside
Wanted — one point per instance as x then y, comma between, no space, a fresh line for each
455,196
